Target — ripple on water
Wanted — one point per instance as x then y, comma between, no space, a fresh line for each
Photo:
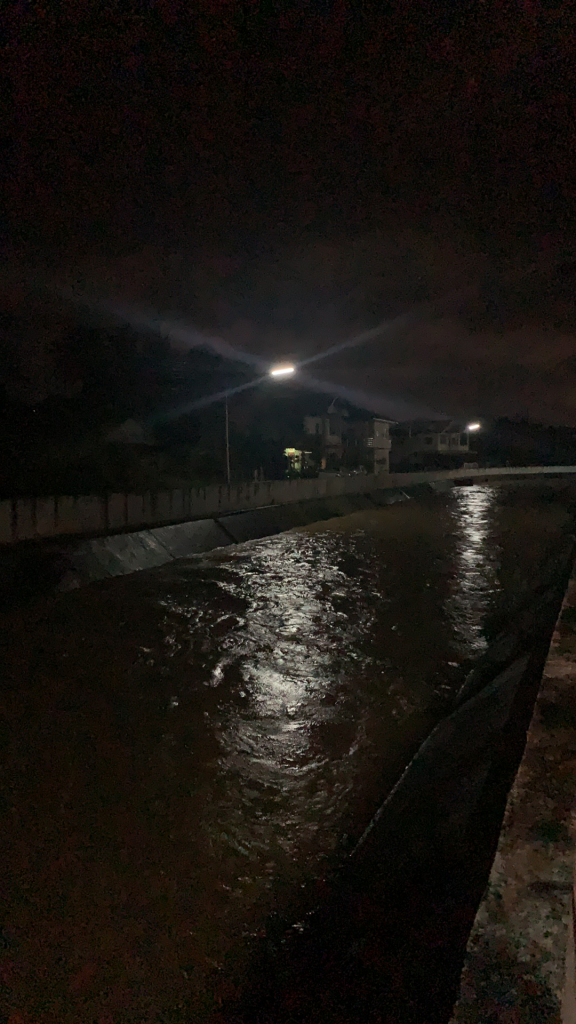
271,695
293,635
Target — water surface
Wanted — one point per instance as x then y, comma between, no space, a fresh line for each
186,749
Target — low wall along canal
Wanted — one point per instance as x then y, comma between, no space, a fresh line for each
27,519
64,543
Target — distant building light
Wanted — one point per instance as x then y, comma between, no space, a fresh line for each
473,427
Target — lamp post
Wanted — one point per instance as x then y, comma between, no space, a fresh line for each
472,428
227,443
281,370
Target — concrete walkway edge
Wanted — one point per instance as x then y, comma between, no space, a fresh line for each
519,966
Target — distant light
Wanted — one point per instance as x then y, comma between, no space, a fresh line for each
282,371
473,427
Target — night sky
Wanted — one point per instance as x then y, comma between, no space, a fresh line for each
288,174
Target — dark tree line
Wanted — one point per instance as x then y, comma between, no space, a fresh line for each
103,377
523,443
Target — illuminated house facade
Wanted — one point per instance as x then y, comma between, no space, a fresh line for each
422,445
344,439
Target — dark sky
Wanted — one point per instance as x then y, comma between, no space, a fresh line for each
287,174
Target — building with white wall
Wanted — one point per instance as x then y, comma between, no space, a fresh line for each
419,445
347,439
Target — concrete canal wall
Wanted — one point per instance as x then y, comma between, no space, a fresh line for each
83,561
52,544
39,566
26,519
521,949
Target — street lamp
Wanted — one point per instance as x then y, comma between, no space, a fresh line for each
472,428
281,370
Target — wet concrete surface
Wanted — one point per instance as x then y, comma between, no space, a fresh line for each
516,968
186,751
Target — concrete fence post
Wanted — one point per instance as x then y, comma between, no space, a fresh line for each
116,511
91,514
193,503
25,526
161,506
66,518
177,505
148,515
46,517
134,510
6,530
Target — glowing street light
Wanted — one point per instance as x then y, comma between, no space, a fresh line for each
472,428
282,371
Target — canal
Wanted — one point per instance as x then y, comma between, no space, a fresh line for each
186,752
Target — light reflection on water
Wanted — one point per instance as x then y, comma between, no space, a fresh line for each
247,710
287,720
310,652
477,552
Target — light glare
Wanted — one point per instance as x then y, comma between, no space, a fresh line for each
282,371
473,427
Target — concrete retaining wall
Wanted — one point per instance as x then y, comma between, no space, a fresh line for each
520,953
100,557
45,562
83,561
27,519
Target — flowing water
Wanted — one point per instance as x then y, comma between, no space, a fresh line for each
188,750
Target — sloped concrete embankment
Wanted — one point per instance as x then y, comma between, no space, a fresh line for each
147,549
32,568
520,957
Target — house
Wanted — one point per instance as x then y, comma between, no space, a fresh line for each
327,433
429,445
347,439
368,444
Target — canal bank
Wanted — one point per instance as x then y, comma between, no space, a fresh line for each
33,567
519,964
65,516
